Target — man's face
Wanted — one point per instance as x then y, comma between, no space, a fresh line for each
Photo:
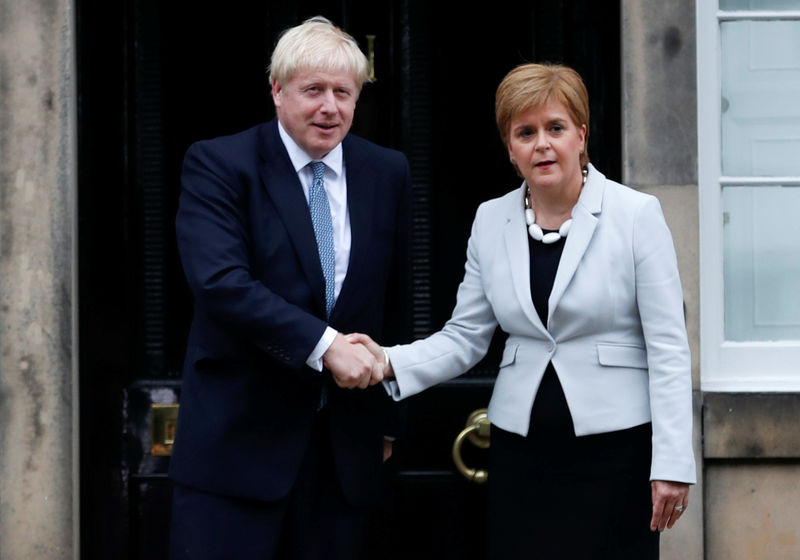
316,109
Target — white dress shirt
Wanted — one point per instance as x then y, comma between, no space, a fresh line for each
336,190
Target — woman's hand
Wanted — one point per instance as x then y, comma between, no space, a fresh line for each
670,500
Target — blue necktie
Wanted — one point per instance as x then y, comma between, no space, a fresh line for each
323,230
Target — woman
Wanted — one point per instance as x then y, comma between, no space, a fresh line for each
592,400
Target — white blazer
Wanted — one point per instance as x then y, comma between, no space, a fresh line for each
615,331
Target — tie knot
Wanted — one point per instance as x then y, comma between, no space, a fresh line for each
318,168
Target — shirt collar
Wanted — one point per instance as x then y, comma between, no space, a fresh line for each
300,159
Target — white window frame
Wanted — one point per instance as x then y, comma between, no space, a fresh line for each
726,365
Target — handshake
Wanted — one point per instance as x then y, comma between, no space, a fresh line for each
355,360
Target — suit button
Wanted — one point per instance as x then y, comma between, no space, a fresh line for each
551,346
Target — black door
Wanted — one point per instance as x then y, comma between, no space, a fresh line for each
156,76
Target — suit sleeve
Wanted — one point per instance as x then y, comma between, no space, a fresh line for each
213,241
660,302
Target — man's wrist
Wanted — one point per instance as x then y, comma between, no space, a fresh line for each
314,360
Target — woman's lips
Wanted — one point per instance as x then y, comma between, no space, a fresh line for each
544,164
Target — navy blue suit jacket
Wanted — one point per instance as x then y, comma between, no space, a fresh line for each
248,400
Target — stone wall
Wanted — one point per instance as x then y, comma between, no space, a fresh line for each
746,505
38,386
659,142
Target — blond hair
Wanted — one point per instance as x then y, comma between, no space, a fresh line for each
317,44
534,85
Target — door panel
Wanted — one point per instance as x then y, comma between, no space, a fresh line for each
156,76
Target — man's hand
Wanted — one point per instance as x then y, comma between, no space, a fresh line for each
375,349
351,364
670,500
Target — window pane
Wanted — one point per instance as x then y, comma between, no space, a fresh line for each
762,263
761,98
759,4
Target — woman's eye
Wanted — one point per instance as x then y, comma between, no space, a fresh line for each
557,128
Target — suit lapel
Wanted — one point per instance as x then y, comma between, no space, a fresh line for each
360,202
516,241
284,189
584,223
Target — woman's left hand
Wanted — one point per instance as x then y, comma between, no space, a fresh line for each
670,500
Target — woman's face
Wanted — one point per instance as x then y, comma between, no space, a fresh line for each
545,145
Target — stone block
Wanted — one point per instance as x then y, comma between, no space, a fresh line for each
659,93
751,426
752,511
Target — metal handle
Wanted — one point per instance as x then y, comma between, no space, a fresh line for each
477,431
163,423
371,56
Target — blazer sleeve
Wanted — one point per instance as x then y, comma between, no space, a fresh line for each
462,342
659,299
214,246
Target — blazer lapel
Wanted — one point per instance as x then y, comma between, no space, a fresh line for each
360,197
584,223
516,241
284,189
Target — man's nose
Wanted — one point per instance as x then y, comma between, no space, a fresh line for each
328,101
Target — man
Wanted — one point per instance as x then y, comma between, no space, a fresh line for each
290,234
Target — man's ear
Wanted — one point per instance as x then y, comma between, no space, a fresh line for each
276,93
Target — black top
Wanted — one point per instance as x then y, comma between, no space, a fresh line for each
551,428
550,418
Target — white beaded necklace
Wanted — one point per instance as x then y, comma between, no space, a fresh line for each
535,231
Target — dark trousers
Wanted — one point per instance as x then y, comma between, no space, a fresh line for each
314,522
